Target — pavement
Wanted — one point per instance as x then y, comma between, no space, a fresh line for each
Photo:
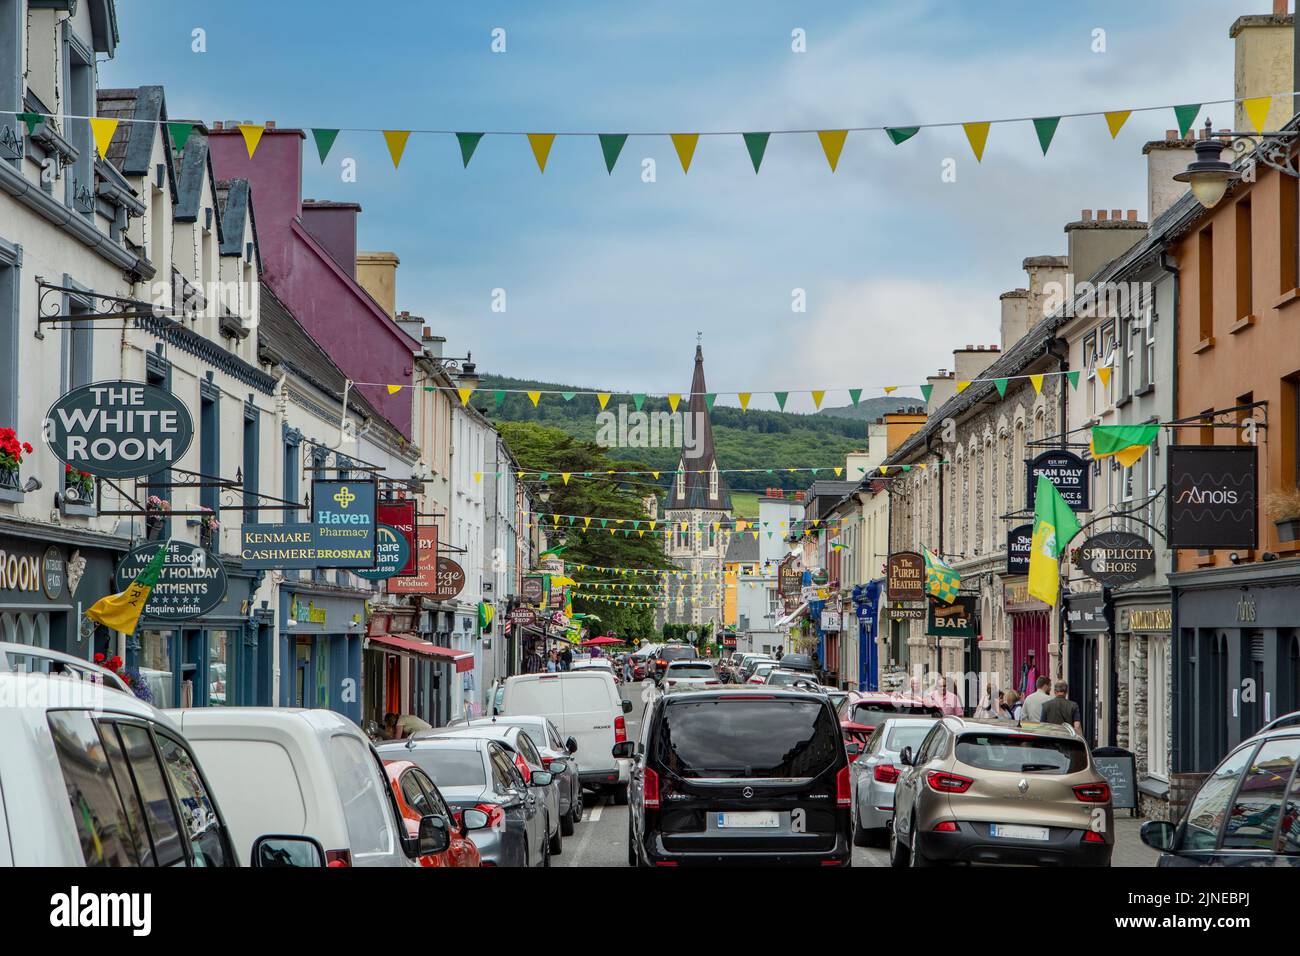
601,838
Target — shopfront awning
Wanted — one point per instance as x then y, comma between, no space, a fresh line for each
793,616
464,660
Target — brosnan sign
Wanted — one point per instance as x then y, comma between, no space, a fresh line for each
119,429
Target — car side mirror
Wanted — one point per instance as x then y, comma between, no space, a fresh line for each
571,745
627,706
1158,834
472,819
854,749
624,748
434,835
540,778
557,767
287,851
906,757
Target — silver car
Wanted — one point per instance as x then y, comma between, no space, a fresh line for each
876,772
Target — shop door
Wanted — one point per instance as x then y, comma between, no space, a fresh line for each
1028,650
1086,695
303,683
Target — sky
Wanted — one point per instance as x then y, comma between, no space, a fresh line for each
608,278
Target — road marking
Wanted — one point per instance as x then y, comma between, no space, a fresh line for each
594,815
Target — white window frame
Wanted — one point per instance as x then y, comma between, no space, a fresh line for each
1149,335
1157,692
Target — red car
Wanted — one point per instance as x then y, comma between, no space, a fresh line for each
417,797
861,712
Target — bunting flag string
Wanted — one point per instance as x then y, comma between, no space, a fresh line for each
832,141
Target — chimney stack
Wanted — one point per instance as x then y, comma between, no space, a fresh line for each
1264,64
377,274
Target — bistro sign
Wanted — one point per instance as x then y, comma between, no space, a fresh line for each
1116,558
192,582
119,429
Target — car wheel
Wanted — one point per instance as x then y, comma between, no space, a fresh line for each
556,844
546,853
620,796
861,837
631,843
566,824
916,858
898,854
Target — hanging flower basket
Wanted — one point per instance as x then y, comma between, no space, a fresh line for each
11,457
80,485
155,516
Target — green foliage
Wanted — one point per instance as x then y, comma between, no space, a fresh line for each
677,633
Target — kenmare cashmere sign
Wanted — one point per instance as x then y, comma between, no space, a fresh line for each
119,429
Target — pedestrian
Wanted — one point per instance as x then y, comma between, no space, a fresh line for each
627,668
1061,710
945,699
566,659
986,706
1035,701
533,663
780,651
552,662
1009,707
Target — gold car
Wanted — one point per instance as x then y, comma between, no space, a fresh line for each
993,791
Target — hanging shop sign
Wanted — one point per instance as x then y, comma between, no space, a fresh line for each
1019,542
399,514
905,612
450,579
1213,496
1146,619
192,581
343,511
1116,558
830,620
425,580
29,572
905,577
392,553
952,620
1086,613
558,597
119,429
791,579
819,576
532,589
523,617
1067,471
281,546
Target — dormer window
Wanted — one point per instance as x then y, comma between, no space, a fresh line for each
713,480
681,483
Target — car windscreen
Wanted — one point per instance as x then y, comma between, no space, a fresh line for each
677,653
448,768
777,679
1022,753
907,733
690,669
873,714
745,738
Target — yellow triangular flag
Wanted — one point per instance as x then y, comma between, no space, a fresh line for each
1103,373
1038,383
535,397
1257,110
817,398
603,398
394,389
541,144
464,394
656,474
890,389
684,143
923,467
838,471
1115,121
586,523
977,134
673,401
565,475
103,128
884,469
962,386
396,140
478,476
832,144
744,400
252,136
652,524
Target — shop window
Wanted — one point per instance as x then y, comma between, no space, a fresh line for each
1149,336
1245,299
1258,806
252,461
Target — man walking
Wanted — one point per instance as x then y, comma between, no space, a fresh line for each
1033,706
1061,710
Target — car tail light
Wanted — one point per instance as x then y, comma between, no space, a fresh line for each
1092,836
672,683
546,763
650,788
941,782
495,813
522,765
338,857
662,663
844,787
945,826
886,773
665,862
620,729
1093,792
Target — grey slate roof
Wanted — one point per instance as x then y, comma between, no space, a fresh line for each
235,202
131,149
743,549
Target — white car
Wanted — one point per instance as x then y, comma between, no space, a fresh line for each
759,676
691,673
587,706
309,772
94,776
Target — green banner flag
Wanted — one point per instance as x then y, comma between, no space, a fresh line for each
1074,379
1054,526
468,143
756,143
1127,443
611,144
1186,116
179,132
638,400
925,392
1001,385
324,141
1045,127
780,399
901,134
855,395
32,120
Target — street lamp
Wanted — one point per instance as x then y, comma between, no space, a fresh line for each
1209,176
465,369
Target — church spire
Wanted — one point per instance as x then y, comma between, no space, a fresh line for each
702,486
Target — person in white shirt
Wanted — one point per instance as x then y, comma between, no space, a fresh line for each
1033,706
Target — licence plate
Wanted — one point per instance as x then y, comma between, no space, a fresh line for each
1011,832
755,819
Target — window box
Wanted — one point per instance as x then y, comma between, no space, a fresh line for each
77,509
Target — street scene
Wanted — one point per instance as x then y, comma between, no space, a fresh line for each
862,437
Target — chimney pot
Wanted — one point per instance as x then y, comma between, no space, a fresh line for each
1171,134
1086,215
270,124
1117,214
428,331
1279,8
1132,215
1101,215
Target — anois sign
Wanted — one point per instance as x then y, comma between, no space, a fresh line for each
119,429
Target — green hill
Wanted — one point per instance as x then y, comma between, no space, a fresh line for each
744,439
869,409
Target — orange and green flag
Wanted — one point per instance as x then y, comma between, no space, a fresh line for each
121,612
1127,443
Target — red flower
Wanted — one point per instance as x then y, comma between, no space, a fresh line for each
27,447
99,658
67,469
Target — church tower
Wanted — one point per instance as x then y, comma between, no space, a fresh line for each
697,512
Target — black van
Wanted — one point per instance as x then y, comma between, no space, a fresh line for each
739,775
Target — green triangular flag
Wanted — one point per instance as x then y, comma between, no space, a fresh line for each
179,132
780,399
907,468
567,396
901,134
1045,127
708,399
1074,379
324,141
638,400
468,143
1001,384
855,395
756,143
611,144
1186,116
925,392
32,120
497,398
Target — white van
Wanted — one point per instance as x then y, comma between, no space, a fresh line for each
586,706
310,772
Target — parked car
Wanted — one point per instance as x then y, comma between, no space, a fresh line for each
93,776
479,780
669,653
690,672
759,674
417,797
304,772
739,775
528,761
875,773
750,662
992,791
1246,813
599,664
585,705
557,757
798,662
801,680
862,711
